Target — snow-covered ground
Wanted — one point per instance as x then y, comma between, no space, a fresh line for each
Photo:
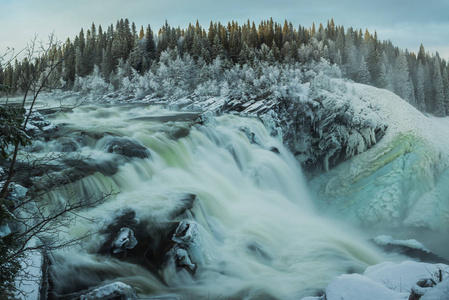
390,281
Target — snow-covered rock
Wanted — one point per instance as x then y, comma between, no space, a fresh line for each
111,291
384,240
322,125
125,240
390,281
439,292
37,124
356,286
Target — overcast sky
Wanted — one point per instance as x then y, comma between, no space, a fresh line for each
407,23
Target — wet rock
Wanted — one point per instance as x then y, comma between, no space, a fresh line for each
274,150
66,145
205,118
154,240
418,252
259,253
126,147
186,203
250,135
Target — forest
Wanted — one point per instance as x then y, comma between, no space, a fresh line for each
124,57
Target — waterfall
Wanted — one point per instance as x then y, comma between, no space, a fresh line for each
217,210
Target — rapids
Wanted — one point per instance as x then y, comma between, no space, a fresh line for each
248,229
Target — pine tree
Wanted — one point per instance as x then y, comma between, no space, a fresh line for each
438,86
419,87
235,44
107,63
363,75
422,55
402,77
136,58
68,64
446,89
350,56
150,45
386,78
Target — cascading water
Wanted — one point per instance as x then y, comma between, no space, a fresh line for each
202,211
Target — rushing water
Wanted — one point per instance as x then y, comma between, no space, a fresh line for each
218,210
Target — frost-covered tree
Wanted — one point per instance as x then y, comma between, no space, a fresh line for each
363,75
446,89
386,76
351,63
402,85
137,57
419,88
438,86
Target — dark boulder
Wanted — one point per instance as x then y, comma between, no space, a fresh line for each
126,146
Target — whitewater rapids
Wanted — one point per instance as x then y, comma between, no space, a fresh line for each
254,231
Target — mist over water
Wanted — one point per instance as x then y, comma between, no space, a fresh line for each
250,232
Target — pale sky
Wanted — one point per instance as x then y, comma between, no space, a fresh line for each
407,23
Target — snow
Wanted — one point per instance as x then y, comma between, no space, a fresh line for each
439,292
4,231
111,290
30,273
403,276
384,240
356,286
388,281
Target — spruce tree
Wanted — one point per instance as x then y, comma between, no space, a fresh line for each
446,89
438,86
150,45
363,75
419,87
402,77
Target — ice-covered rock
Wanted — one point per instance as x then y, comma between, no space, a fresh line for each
192,246
385,240
116,290
125,240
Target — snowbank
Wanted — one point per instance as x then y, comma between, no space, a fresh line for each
389,281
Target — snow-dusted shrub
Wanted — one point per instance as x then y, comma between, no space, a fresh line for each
92,84
210,88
